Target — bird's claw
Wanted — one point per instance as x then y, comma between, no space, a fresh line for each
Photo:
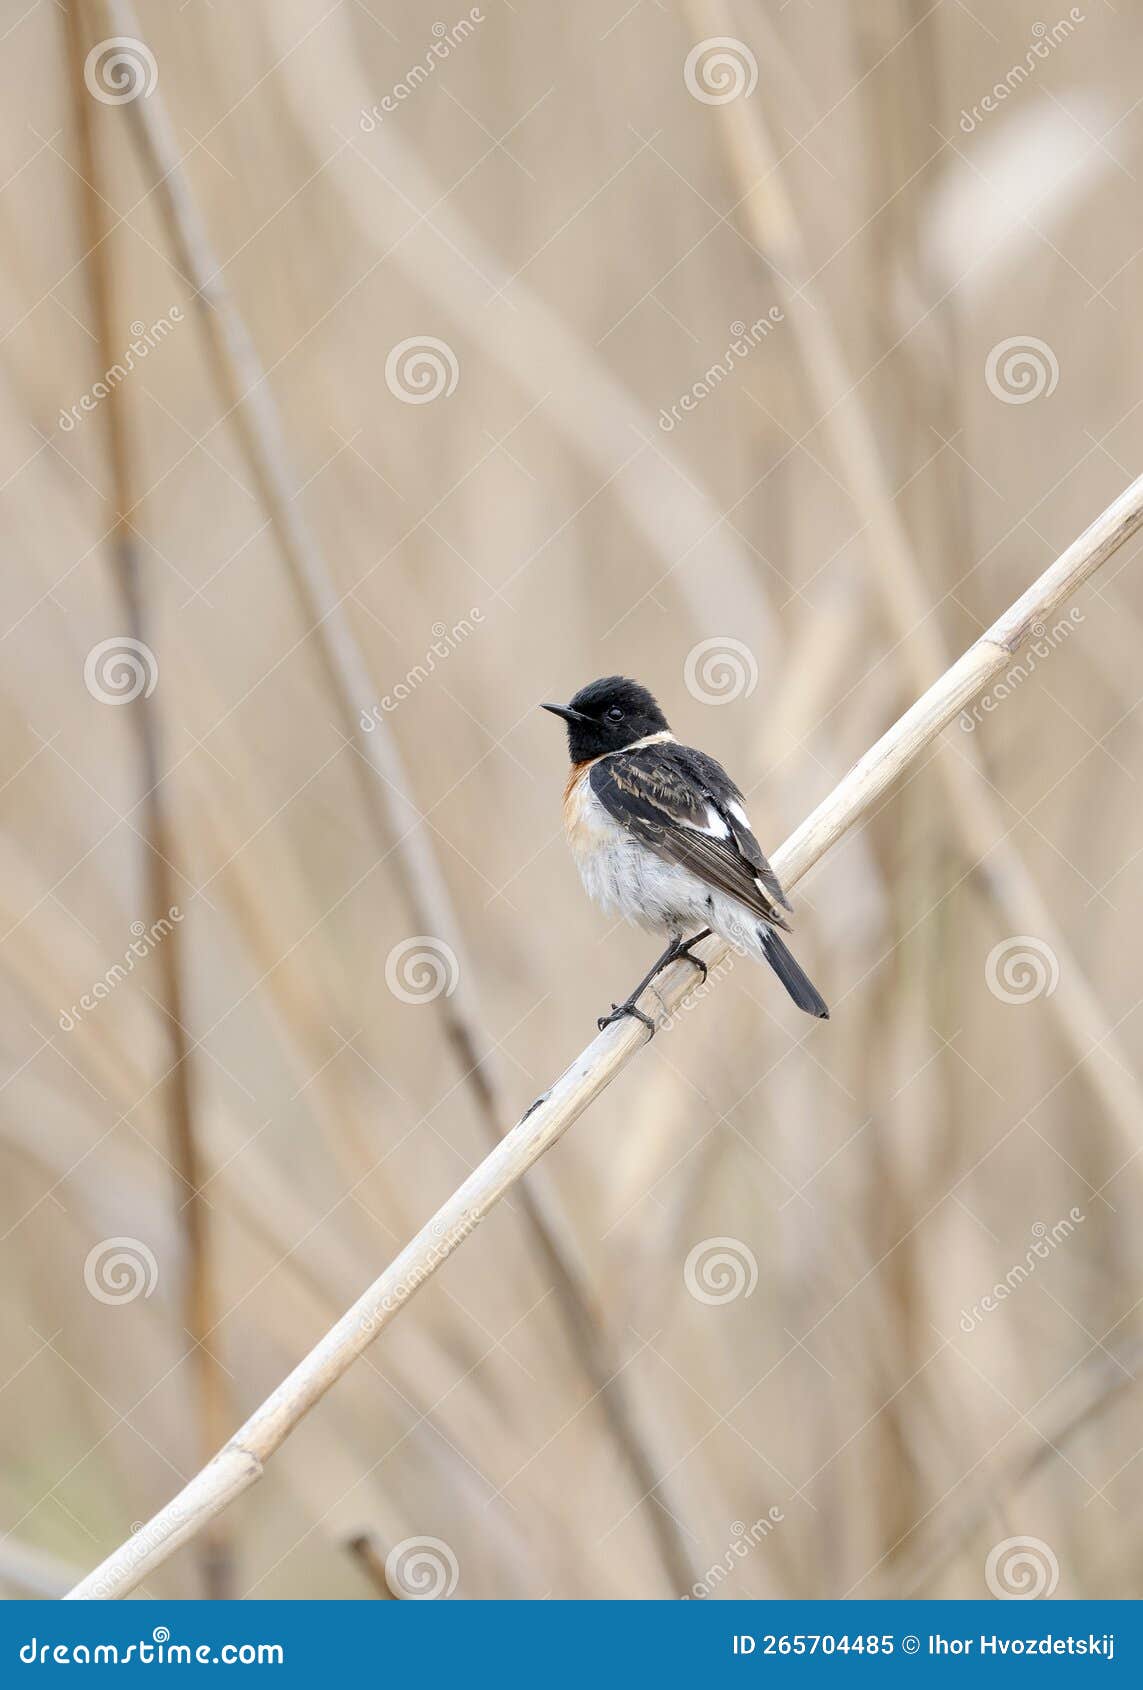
619,1010
685,951
698,962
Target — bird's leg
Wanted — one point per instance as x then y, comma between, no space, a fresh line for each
628,1006
674,950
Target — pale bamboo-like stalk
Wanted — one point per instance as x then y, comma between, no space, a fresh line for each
409,849
772,217
242,1461
210,1401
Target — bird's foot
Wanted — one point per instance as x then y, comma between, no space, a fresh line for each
619,1010
685,951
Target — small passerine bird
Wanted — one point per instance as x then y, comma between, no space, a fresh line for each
659,833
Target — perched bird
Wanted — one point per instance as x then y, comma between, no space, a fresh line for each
660,834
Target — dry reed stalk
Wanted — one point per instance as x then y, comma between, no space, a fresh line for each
1112,1379
32,1571
321,1268
603,423
210,1398
320,1277
385,787
367,1553
242,1461
773,221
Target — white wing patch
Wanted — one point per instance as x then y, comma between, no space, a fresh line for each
739,815
715,827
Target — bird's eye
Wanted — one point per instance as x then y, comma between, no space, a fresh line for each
615,714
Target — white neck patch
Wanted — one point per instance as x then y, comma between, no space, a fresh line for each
649,739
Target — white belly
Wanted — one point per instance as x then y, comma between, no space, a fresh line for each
622,875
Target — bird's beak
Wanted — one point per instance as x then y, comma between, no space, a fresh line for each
566,711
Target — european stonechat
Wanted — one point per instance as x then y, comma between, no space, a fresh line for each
659,833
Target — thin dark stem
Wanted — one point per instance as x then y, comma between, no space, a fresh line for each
210,1397
408,847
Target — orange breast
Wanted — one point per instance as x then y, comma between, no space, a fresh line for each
580,814
573,801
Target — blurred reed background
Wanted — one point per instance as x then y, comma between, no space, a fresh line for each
768,373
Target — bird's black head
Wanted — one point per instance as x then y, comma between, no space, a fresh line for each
608,715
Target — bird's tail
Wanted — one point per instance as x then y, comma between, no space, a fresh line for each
800,987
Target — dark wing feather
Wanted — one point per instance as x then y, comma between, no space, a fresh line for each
723,793
664,794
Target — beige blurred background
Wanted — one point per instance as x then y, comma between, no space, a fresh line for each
579,214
